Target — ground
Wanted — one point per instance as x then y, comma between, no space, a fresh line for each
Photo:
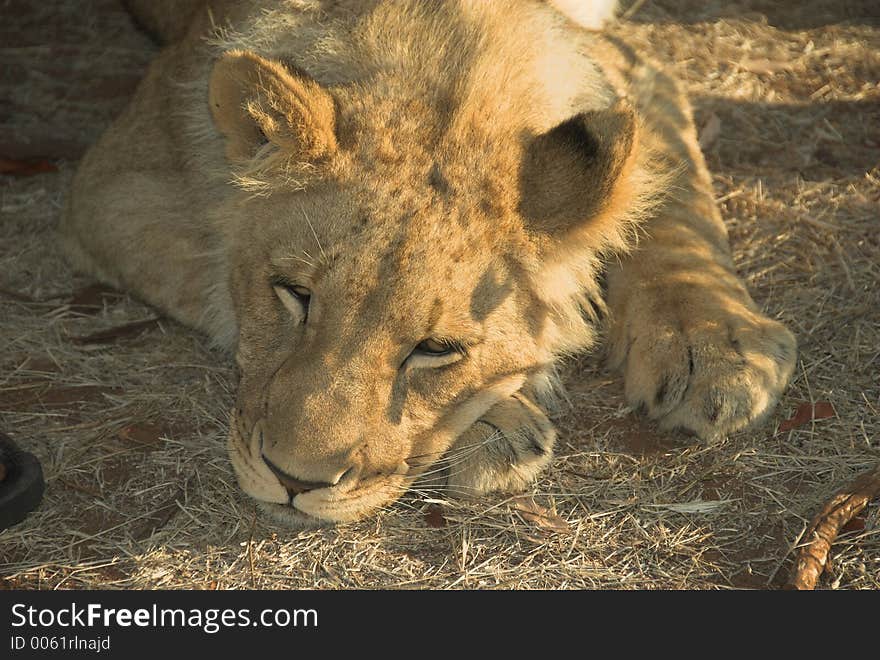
129,421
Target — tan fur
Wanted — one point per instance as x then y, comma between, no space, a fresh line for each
456,172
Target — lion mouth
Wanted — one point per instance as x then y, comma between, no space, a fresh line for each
305,504
323,507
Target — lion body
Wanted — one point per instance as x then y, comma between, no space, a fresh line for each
451,172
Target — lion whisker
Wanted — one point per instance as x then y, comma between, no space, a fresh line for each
452,460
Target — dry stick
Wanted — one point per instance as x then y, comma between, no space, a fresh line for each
823,530
629,13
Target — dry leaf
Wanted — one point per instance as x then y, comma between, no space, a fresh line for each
147,436
710,132
160,516
91,299
17,297
434,516
128,331
81,488
42,364
807,412
45,394
857,524
25,167
539,516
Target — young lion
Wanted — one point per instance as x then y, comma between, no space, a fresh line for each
397,214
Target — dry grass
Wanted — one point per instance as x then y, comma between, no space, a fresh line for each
131,433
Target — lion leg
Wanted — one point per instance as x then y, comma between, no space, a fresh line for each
112,231
132,223
505,450
695,350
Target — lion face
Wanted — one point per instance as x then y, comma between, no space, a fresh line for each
398,285
360,367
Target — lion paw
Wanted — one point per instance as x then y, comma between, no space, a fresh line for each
710,376
505,450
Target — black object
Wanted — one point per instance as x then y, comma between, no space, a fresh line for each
21,483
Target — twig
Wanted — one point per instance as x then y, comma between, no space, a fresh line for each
843,507
629,13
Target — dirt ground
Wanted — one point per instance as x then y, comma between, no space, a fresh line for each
129,421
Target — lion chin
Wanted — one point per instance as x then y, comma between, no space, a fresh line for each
290,517
325,506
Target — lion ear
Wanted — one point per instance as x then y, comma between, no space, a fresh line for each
255,100
577,170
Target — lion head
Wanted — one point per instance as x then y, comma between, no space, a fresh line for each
407,249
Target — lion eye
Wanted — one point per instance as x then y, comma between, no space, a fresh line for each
434,347
294,297
434,353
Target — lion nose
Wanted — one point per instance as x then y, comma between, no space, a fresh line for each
296,486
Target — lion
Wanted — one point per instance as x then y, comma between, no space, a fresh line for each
399,217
